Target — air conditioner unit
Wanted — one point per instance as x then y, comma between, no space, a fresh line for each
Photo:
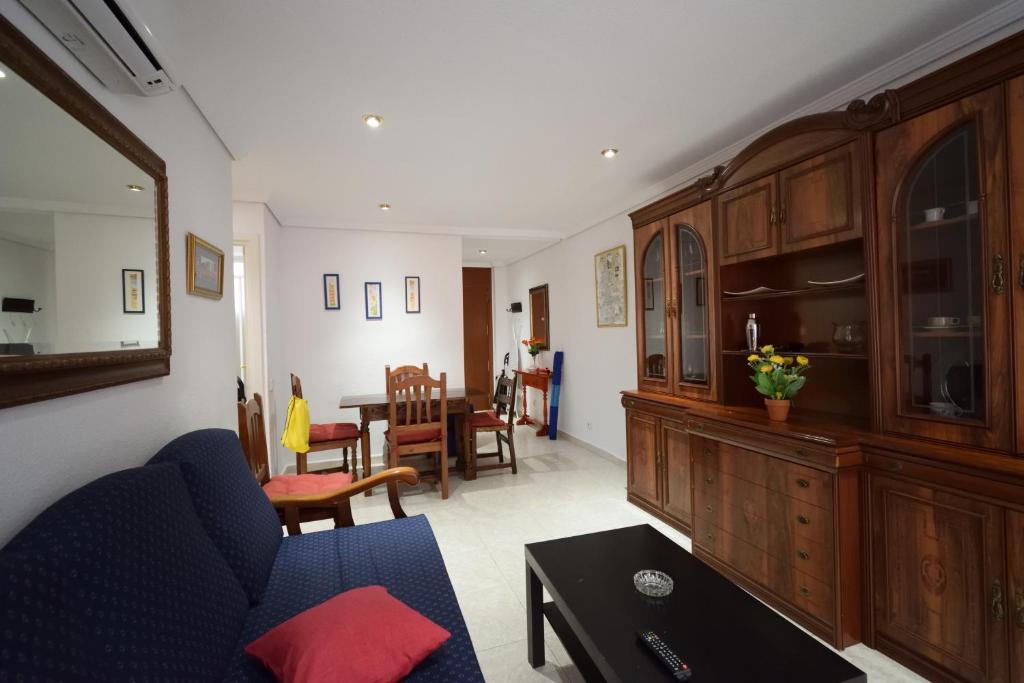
110,41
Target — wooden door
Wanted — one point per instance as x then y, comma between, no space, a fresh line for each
675,465
938,576
477,343
1015,591
1015,267
652,294
943,275
693,304
642,457
748,222
820,199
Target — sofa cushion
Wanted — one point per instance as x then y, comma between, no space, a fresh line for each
117,581
305,484
234,511
334,431
363,635
399,554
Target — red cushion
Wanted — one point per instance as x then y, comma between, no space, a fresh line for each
360,636
416,435
485,418
305,484
335,431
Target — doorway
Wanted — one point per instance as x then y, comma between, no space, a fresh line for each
477,340
249,313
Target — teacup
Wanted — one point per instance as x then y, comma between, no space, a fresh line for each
935,214
945,409
943,321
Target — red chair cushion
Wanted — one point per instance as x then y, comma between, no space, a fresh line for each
336,431
360,636
416,435
305,484
485,418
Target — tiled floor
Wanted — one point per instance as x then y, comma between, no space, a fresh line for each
560,490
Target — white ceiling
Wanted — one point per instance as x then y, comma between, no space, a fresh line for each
495,112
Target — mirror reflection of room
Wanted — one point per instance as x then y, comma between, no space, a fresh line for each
78,266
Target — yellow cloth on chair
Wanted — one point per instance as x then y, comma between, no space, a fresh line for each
296,426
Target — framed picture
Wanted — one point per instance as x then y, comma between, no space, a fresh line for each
133,291
374,305
205,265
648,294
412,294
610,287
332,286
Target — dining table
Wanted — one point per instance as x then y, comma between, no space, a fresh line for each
375,407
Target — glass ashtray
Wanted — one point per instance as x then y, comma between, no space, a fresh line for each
653,583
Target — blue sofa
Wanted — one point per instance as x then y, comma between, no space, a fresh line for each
165,572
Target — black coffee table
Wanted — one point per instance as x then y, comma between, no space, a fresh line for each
725,634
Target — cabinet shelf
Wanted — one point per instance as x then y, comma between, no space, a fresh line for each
808,291
810,354
956,220
957,333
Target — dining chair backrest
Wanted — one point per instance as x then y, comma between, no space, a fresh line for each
296,386
401,372
253,435
505,396
411,401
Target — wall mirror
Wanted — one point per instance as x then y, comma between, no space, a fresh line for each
83,238
539,315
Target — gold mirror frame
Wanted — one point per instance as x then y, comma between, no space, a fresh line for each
38,378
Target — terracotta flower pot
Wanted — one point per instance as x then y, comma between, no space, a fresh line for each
778,410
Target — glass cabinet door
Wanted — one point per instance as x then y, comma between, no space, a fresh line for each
692,359
942,284
652,306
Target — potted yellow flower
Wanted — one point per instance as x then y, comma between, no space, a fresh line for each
778,378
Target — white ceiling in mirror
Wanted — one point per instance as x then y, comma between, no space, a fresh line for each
52,162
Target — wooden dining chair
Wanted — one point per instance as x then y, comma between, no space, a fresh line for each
309,497
492,421
401,372
328,437
416,426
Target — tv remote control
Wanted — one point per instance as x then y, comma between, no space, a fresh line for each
679,669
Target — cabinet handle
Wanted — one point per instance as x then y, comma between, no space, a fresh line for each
709,508
772,216
998,275
782,213
803,554
709,537
803,483
801,452
803,519
1020,271
804,590
709,479
893,466
1020,609
707,451
998,609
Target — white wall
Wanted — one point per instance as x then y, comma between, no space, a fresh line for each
599,362
340,352
50,448
90,252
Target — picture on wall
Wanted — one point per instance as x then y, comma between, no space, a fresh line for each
412,294
133,290
648,294
205,268
332,286
374,305
610,287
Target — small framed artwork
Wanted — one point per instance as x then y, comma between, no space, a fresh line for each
648,294
374,305
205,268
412,294
610,287
332,285
133,291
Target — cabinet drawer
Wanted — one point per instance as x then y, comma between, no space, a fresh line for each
780,578
793,479
802,519
774,537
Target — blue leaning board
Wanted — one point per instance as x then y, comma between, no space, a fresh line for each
556,392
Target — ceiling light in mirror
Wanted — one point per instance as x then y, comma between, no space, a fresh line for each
373,120
483,251
384,206
135,188
609,153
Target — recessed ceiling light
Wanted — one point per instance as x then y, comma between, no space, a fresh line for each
135,188
384,206
3,75
483,251
609,153
373,120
